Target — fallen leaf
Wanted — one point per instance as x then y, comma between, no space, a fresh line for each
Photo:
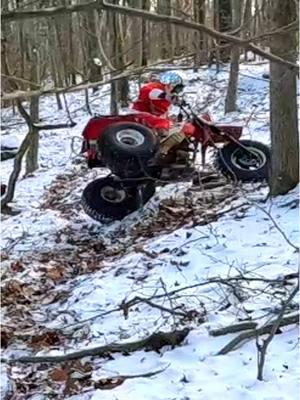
46,339
4,256
108,383
53,297
6,336
59,375
16,266
15,292
72,387
56,273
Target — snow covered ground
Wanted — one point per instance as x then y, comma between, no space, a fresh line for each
73,274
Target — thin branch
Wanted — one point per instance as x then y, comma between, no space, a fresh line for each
54,126
215,280
18,94
18,79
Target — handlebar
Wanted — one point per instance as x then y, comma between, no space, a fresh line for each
202,122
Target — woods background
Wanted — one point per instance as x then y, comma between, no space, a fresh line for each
53,46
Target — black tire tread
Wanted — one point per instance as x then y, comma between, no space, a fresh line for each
92,212
108,143
222,160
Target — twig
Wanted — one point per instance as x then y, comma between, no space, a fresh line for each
14,242
215,280
138,299
219,214
53,126
144,375
276,226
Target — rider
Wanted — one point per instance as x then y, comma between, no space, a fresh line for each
157,96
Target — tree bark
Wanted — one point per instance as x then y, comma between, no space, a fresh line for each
283,104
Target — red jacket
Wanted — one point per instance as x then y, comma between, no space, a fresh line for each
152,99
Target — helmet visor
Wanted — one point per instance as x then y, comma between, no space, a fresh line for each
177,89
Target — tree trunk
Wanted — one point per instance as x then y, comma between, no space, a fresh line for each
283,103
32,153
246,22
231,96
53,64
164,7
198,45
144,35
119,88
217,28
225,19
94,70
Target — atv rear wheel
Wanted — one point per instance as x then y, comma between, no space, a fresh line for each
107,199
248,162
129,140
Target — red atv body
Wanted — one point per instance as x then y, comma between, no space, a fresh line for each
207,135
141,154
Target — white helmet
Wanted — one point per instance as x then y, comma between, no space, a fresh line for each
172,78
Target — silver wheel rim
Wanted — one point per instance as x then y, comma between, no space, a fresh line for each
130,137
250,160
112,195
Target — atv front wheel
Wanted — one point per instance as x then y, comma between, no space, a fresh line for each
107,199
248,162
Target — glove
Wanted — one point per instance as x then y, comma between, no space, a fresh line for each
179,117
175,100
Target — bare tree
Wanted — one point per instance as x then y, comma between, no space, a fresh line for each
283,103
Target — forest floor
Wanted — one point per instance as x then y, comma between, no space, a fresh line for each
197,258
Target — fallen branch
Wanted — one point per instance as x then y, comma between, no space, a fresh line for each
153,342
253,333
